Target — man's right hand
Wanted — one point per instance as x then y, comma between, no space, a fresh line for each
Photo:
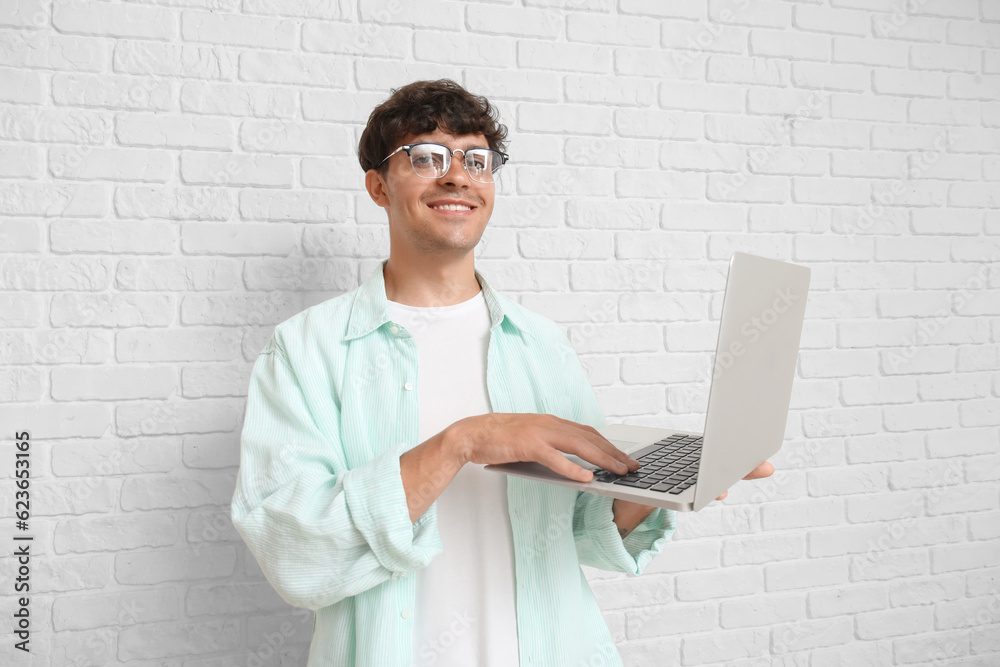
501,437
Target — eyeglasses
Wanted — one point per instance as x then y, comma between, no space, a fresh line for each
434,161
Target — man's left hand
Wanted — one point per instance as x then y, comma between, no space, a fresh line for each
765,469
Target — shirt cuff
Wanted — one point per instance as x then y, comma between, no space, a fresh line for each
639,547
376,500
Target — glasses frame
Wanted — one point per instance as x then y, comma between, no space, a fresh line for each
451,154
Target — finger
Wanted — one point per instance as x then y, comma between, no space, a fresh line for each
724,494
551,458
765,469
589,445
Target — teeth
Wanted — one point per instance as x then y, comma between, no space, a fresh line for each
452,207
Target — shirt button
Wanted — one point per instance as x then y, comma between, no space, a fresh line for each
405,613
394,329
408,386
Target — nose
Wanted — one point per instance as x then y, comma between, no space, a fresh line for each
456,174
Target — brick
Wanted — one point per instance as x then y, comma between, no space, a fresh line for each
203,168
597,151
866,51
123,608
86,534
175,275
173,131
740,69
725,646
107,21
61,575
169,417
38,274
230,99
764,610
371,40
972,33
177,203
599,89
342,10
48,50
910,28
759,14
757,549
114,236
187,344
775,101
620,31
700,157
25,13
655,124
829,20
947,58
238,30
275,136
113,164
794,46
294,69
557,181
867,107
54,346
700,97
926,590
585,214
514,84
723,582
215,450
563,57
154,567
811,634
667,184
53,200
178,639
21,236
703,36
893,622
258,309
113,456
974,86
174,60
215,381
299,206
116,91
84,383
20,385
318,273
114,310
550,118
827,77
245,238
20,87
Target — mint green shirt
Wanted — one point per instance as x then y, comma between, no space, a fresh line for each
319,500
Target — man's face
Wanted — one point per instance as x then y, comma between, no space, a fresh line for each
413,203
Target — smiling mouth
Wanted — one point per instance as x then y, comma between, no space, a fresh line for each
452,207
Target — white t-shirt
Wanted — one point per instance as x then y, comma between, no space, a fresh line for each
464,612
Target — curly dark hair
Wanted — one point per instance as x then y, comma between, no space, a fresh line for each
424,106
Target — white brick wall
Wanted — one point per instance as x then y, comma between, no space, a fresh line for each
177,178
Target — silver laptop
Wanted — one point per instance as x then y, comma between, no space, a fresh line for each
751,387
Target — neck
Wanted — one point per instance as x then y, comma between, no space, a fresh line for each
423,283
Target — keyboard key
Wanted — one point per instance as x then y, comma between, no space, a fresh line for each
637,483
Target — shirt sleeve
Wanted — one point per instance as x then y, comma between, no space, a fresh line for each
598,543
320,532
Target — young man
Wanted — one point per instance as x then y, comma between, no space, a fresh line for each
361,490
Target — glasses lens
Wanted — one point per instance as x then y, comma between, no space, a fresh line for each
482,163
430,160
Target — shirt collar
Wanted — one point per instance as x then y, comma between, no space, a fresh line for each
370,309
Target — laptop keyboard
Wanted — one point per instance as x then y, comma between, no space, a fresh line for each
667,466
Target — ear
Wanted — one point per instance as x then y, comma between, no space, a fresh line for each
375,184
